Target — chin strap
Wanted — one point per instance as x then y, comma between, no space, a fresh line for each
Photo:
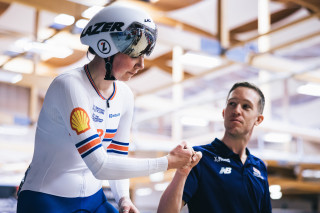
109,62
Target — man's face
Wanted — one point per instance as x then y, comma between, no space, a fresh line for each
242,112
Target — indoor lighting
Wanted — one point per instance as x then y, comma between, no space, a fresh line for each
21,45
13,130
143,191
274,188
13,167
308,173
193,121
277,137
275,192
105,183
160,187
200,60
81,23
3,59
45,33
309,89
90,3
90,12
47,50
50,49
9,77
19,65
64,19
65,39
156,177
276,195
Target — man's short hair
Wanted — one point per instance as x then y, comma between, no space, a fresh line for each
251,86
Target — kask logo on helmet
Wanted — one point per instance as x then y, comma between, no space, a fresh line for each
104,46
102,27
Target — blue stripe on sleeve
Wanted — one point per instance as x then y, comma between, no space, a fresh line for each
86,140
91,150
111,130
120,143
118,152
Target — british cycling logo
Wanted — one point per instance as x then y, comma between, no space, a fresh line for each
114,115
103,46
257,173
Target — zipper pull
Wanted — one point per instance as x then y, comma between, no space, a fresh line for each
108,104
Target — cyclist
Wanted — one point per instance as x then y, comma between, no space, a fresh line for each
83,130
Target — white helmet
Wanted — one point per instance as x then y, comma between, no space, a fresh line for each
120,28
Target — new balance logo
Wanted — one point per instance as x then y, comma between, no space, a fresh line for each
225,170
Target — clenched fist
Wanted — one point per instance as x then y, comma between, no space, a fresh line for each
180,156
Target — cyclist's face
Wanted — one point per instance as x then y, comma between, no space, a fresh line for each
124,66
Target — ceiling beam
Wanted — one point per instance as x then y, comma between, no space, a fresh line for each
223,30
275,17
29,80
194,77
313,5
183,26
69,60
56,6
169,5
160,17
291,186
240,43
3,7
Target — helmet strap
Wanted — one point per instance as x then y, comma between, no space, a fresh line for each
109,62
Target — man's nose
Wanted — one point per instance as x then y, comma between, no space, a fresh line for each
237,109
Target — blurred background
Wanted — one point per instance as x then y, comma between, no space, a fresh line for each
203,48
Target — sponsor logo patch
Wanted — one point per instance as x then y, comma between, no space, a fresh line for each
257,173
96,118
219,159
114,115
225,170
102,27
104,46
79,120
98,109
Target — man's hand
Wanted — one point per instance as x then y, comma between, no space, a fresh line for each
171,199
180,156
196,157
126,206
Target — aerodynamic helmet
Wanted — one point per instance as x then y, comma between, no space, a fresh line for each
120,28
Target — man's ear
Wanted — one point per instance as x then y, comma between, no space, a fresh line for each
223,113
259,120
